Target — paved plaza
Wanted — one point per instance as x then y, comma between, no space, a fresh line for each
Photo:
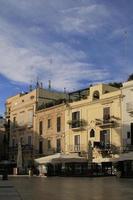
8,191
59,188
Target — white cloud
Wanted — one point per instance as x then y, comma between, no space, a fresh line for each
60,63
24,55
84,19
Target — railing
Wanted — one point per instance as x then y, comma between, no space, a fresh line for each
128,148
21,126
105,123
77,148
25,147
77,124
107,149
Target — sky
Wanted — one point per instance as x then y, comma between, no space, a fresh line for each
73,43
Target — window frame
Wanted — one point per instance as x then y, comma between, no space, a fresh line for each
58,121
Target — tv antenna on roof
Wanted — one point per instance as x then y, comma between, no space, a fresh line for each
37,82
125,47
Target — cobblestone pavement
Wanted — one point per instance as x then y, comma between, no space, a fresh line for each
59,188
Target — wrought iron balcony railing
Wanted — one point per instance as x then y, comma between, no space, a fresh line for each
105,123
77,124
77,148
25,147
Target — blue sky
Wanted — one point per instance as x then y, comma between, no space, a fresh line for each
73,43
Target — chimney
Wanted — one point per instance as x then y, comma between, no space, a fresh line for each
49,84
30,88
41,85
64,90
37,84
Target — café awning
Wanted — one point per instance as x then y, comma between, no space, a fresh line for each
60,158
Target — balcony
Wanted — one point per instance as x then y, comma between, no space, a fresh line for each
77,125
128,148
25,148
21,127
129,107
105,149
7,114
77,148
105,123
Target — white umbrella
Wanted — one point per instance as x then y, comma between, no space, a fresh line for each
19,157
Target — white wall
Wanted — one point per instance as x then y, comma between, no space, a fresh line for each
127,117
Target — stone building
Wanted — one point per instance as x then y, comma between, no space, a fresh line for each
50,130
94,115
47,122
3,140
127,115
21,118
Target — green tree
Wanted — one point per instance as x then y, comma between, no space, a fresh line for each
116,84
130,78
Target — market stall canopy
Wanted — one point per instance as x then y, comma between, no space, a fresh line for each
116,158
101,159
125,156
60,158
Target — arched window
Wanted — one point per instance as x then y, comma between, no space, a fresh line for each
92,133
96,95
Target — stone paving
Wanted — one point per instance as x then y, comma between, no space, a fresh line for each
65,188
8,191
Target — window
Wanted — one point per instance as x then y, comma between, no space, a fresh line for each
58,124
21,119
29,140
131,165
128,134
92,133
8,122
21,140
77,142
96,95
76,115
58,145
13,142
49,123
40,127
31,97
8,110
40,147
131,135
49,144
75,119
106,114
30,118
14,122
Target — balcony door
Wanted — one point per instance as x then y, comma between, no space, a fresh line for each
75,119
106,114
105,138
40,147
77,143
131,133
58,145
